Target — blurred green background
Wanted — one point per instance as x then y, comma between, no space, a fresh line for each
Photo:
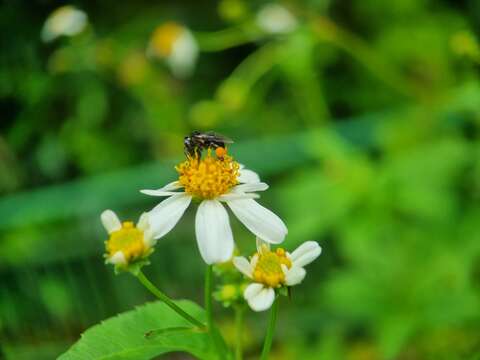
363,116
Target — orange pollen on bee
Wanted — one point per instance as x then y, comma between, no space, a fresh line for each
220,152
129,240
268,269
208,177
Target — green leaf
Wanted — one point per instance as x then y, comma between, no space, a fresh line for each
128,335
176,329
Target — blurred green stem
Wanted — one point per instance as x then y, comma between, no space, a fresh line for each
328,31
208,309
208,297
238,332
270,331
159,294
256,64
227,38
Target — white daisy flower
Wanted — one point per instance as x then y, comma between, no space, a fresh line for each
271,270
177,46
214,180
66,20
276,19
128,242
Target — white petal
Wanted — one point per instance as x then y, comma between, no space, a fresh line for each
259,220
66,20
158,192
259,297
214,234
184,55
253,261
148,238
276,19
167,190
294,275
174,185
252,290
247,176
165,215
250,187
117,258
110,221
243,265
237,196
261,244
142,223
306,253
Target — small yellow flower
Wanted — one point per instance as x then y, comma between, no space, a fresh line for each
176,45
128,242
271,270
268,268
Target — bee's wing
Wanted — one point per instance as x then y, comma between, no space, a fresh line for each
218,137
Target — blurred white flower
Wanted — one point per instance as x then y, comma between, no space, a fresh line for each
127,242
270,270
276,19
176,45
213,180
66,20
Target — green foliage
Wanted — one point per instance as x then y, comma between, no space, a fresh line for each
364,121
146,332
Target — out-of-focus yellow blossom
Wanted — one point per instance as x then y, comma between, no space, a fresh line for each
176,45
229,293
133,69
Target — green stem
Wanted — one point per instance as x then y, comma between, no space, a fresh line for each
227,38
208,309
159,294
327,30
208,297
270,331
238,332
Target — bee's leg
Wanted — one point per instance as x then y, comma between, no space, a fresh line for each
196,152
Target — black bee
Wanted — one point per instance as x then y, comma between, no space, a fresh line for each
197,141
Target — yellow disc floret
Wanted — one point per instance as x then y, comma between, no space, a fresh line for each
268,270
128,240
164,38
208,177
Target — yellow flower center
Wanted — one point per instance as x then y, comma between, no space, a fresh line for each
209,177
164,38
128,240
268,270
